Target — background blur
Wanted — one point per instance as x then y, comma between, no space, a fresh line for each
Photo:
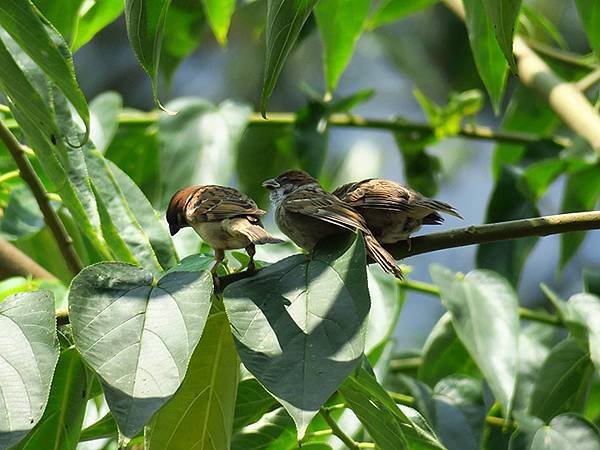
428,50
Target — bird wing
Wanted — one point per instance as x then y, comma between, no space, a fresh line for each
211,203
319,204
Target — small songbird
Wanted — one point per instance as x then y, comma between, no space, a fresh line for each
223,217
392,211
307,213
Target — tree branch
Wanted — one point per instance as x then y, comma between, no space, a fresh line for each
64,241
514,229
15,263
563,97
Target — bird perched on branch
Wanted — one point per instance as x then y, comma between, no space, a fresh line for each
307,213
392,211
223,217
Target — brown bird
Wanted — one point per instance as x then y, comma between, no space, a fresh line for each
306,213
392,211
222,216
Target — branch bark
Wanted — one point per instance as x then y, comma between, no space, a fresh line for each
15,263
64,241
564,98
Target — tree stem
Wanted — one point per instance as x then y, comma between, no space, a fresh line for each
337,431
64,241
15,263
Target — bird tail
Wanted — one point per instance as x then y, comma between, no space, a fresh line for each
382,256
258,235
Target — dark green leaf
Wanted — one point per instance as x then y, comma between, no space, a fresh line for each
128,326
200,414
285,19
22,217
484,311
567,431
508,202
46,48
490,62
104,118
389,11
421,169
93,19
348,103
62,420
591,281
28,351
198,144
63,15
103,428
503,15
541,174
558,379
274,431
589,11
218,13
252,402
145,21
537,26
299,319
340,23
311,137
582,192
444,354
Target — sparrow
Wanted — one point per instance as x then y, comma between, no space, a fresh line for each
392,211
223,217
306,213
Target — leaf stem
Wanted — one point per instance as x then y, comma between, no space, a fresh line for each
337,431
64,241
560,55
13,262
9,176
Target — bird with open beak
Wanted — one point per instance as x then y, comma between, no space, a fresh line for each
223,217
392,211
306,213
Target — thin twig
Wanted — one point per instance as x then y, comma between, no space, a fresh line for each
9,176
15,263
64,241
337,431
560,55
588,81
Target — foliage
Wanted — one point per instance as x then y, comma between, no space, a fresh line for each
303,352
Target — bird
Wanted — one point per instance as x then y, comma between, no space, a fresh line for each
307,214
392,211
223,217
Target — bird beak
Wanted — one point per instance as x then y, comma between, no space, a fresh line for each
173,228
271,184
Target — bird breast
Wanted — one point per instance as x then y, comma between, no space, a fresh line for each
221,234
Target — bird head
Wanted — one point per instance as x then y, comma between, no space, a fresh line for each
287,183
176,211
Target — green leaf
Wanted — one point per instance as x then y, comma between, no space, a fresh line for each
389,11
93,19
541,174
591,281
285,19
490,62
274,431
183,33
104,120
421,169
444,354
508,202
46,48
62,420
218,13
105,427
200,414
504,14
484,311
299,319
311,137
340,22
584,310
145,20
589,11
137,333
581,193
198,144
22,217
63,15
28,351
251,403
558,379
567,431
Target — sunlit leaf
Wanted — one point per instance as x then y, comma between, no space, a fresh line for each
389,11
94,17
218,13
567,431
104,118
274,431
138,334
251,403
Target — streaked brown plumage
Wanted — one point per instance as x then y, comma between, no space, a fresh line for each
306,213
392,211
223,217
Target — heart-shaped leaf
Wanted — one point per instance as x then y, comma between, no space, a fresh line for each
28,355
138,333
484,311
299,325
567,431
